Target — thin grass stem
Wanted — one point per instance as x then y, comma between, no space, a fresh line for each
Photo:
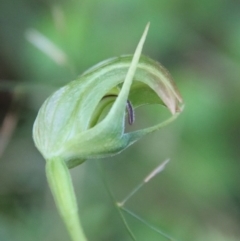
110,193
148,224
156,171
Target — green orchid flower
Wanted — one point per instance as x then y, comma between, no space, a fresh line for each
86,120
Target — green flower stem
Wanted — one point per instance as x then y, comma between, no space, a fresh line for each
60,182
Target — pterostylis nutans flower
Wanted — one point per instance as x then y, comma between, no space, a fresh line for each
86,120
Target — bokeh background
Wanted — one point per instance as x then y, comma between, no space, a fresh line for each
197,197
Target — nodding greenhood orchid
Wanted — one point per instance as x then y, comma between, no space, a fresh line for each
73,122
86,119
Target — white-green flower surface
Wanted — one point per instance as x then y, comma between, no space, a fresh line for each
86,119
68,124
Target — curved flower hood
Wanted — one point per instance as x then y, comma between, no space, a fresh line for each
86,118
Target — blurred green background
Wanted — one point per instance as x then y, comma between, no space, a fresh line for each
197,197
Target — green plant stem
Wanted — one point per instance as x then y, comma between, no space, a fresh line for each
60,183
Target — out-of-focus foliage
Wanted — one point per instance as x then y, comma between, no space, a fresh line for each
197,197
